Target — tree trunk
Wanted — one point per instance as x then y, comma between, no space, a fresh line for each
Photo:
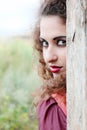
77,64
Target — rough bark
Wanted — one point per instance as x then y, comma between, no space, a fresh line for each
77,64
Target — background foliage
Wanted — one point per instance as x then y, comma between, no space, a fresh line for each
18,80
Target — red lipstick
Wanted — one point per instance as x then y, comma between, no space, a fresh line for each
55,69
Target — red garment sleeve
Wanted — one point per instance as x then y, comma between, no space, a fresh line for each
51,116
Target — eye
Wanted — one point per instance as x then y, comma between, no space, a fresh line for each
61,42
44,43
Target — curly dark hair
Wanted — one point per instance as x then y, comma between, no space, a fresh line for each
56,8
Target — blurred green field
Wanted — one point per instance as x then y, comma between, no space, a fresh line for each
18,79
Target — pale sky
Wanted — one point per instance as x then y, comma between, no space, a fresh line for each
17,16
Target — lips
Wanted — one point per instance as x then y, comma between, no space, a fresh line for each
55,69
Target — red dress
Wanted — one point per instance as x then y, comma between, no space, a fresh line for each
51,116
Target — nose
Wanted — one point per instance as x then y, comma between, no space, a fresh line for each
51,55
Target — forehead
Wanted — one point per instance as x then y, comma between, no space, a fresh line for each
52,26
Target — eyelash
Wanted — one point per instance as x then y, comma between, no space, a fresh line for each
63,42
45,43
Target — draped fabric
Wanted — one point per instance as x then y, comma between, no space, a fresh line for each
61,100
51,116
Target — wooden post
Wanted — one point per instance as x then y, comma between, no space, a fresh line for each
77,64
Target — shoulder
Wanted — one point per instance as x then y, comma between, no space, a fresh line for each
46,104
49,114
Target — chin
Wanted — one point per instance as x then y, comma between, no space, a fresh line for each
56,75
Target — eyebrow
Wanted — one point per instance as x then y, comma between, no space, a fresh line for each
42,38
59,37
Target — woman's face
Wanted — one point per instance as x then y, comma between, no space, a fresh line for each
53,40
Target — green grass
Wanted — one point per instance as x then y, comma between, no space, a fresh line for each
18,80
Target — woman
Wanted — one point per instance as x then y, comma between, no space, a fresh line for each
50,43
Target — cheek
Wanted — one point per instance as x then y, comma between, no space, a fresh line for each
44,55
63,56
